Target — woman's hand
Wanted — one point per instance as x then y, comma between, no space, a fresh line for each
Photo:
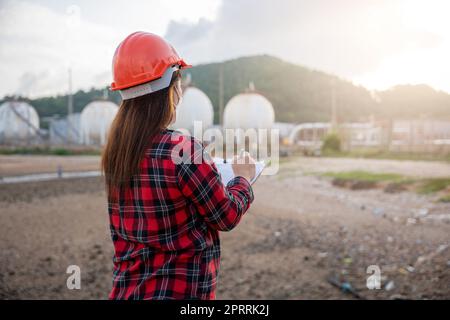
244,166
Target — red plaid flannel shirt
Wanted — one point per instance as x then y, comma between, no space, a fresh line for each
165,224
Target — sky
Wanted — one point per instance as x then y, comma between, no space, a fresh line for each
374,43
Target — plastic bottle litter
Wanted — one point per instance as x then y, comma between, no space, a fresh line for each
389,286
410,268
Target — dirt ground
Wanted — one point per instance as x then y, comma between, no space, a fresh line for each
22,165
300,231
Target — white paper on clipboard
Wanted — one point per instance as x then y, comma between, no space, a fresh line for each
227,173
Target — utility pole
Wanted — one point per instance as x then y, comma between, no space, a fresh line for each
221,94
69,108
333,106
28,127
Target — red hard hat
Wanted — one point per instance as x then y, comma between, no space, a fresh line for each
142,57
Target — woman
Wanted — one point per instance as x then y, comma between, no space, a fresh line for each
165,214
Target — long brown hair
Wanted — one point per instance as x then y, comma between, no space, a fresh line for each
137,121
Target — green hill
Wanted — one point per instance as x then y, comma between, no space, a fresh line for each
419,100
297,93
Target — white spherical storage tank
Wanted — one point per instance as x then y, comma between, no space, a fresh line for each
195,106
95,120
18,121
248,110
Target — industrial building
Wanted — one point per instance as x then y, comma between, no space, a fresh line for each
65,130
95,121
423,135
248,110
19,123
195,106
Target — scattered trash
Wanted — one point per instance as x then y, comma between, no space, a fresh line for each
411,221
345,287
422,213
322,254
410,268
441,248
379,212
390,239
277,233
348,260
389,286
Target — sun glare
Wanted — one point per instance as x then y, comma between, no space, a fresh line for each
423,60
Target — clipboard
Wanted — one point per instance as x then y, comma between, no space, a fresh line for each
227,173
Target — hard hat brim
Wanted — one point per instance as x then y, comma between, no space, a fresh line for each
152,86
181,65
184,65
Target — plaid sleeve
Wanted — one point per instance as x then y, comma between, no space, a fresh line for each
222,207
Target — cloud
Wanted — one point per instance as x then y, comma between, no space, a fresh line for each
354,39
184,33
31,82
41,40
346,37
39,45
